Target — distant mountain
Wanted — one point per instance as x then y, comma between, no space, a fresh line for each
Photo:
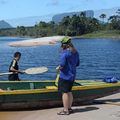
57,18
29,21
32,20
4,24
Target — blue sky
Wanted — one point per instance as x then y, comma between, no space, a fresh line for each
19,9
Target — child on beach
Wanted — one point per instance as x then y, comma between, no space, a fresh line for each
67,67
14,68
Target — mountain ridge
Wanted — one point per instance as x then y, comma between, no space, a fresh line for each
32,20
58,17
4,25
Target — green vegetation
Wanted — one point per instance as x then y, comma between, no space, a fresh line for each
115,34
75,26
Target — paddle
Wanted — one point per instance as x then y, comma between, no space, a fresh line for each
57,78
104,102
36,70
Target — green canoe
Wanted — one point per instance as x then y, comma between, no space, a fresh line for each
42,94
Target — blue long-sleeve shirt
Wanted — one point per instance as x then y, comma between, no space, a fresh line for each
69,62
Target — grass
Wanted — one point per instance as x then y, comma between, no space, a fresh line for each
103,34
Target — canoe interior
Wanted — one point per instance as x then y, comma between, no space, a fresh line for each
28,85
25,85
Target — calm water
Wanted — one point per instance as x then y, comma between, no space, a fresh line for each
99,58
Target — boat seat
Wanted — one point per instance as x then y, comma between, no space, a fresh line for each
51,87
32,86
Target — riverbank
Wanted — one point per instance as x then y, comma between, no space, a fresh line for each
97,37
87,111
54,39
37,42
107,34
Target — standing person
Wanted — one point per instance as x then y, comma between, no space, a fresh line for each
14,68
67,67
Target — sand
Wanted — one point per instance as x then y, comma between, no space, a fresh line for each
89,111
37,42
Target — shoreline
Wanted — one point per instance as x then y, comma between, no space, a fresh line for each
86,111
100,37
52,40
37,42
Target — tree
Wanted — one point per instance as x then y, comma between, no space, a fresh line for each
75,20
114,22
65,21
118,11
83,14
42,24
113,18
63,25
21,30
103,16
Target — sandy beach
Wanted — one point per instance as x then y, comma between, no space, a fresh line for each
88,111
37,42
45,41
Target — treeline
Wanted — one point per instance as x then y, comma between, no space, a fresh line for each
75,26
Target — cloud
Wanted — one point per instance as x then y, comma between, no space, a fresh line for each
85,2
3,2
72,7
53,3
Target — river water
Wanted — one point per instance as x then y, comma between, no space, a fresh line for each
99,59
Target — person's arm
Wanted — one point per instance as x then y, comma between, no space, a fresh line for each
63,62
78,62
59,68
13,69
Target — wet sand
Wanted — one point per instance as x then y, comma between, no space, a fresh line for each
37,42
89,111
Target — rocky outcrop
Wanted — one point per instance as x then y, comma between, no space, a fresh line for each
57,18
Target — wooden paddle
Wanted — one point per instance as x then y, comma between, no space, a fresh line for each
57,78
36,70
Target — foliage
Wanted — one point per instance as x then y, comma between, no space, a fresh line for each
104,34
74,26
103,16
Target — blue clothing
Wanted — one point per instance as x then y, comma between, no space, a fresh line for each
69,62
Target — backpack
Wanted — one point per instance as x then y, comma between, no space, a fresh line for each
110,80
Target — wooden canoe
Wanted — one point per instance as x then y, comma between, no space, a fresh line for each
42,94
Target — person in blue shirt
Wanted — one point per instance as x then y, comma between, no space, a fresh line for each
69,62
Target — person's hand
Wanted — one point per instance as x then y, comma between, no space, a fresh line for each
57,68
21,72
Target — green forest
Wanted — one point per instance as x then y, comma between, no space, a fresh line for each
75,26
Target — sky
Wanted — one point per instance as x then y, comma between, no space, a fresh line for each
34,10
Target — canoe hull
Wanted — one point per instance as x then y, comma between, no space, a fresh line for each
44,98
27,105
